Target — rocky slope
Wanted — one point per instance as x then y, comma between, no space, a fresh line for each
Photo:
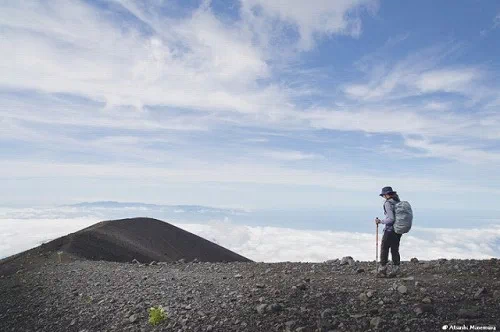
84,295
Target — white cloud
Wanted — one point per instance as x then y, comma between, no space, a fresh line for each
22,234
495,24
385,103
406,80
420,73
311,19
447,80
424,128
200,72
257,140
243,173
388,119
196,63
66,114
289,155
438,106
273,244
463,153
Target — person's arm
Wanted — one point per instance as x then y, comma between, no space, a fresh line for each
389,217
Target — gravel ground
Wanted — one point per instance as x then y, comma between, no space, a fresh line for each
81,295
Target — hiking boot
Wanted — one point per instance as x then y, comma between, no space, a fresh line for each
382,272
394,271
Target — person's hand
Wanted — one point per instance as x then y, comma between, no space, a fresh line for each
377,220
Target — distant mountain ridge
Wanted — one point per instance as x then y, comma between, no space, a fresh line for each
185,208
112,204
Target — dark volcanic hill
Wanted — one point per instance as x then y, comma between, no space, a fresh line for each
143,239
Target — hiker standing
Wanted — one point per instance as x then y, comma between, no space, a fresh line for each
390,238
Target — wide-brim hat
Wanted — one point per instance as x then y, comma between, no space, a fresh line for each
387,191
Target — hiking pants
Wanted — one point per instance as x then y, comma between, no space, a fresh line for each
390,240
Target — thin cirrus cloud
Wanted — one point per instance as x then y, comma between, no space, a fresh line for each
416,76
494,25
462,153
323,18
447,80
289,155
238,172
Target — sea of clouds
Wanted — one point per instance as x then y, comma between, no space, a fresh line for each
22,229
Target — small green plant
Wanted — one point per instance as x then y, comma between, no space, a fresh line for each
156,315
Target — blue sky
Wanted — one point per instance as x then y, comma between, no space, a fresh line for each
251,103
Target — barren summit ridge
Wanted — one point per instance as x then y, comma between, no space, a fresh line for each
88,296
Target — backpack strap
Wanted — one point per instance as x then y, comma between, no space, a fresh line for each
393,205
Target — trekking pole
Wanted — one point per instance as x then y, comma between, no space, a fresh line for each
376,246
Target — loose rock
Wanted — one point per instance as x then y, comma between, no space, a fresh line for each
327,313
275,307
375,322
402,289
302,286
347,260
469,313
196,298
290,324
479,292
422,308
261,308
